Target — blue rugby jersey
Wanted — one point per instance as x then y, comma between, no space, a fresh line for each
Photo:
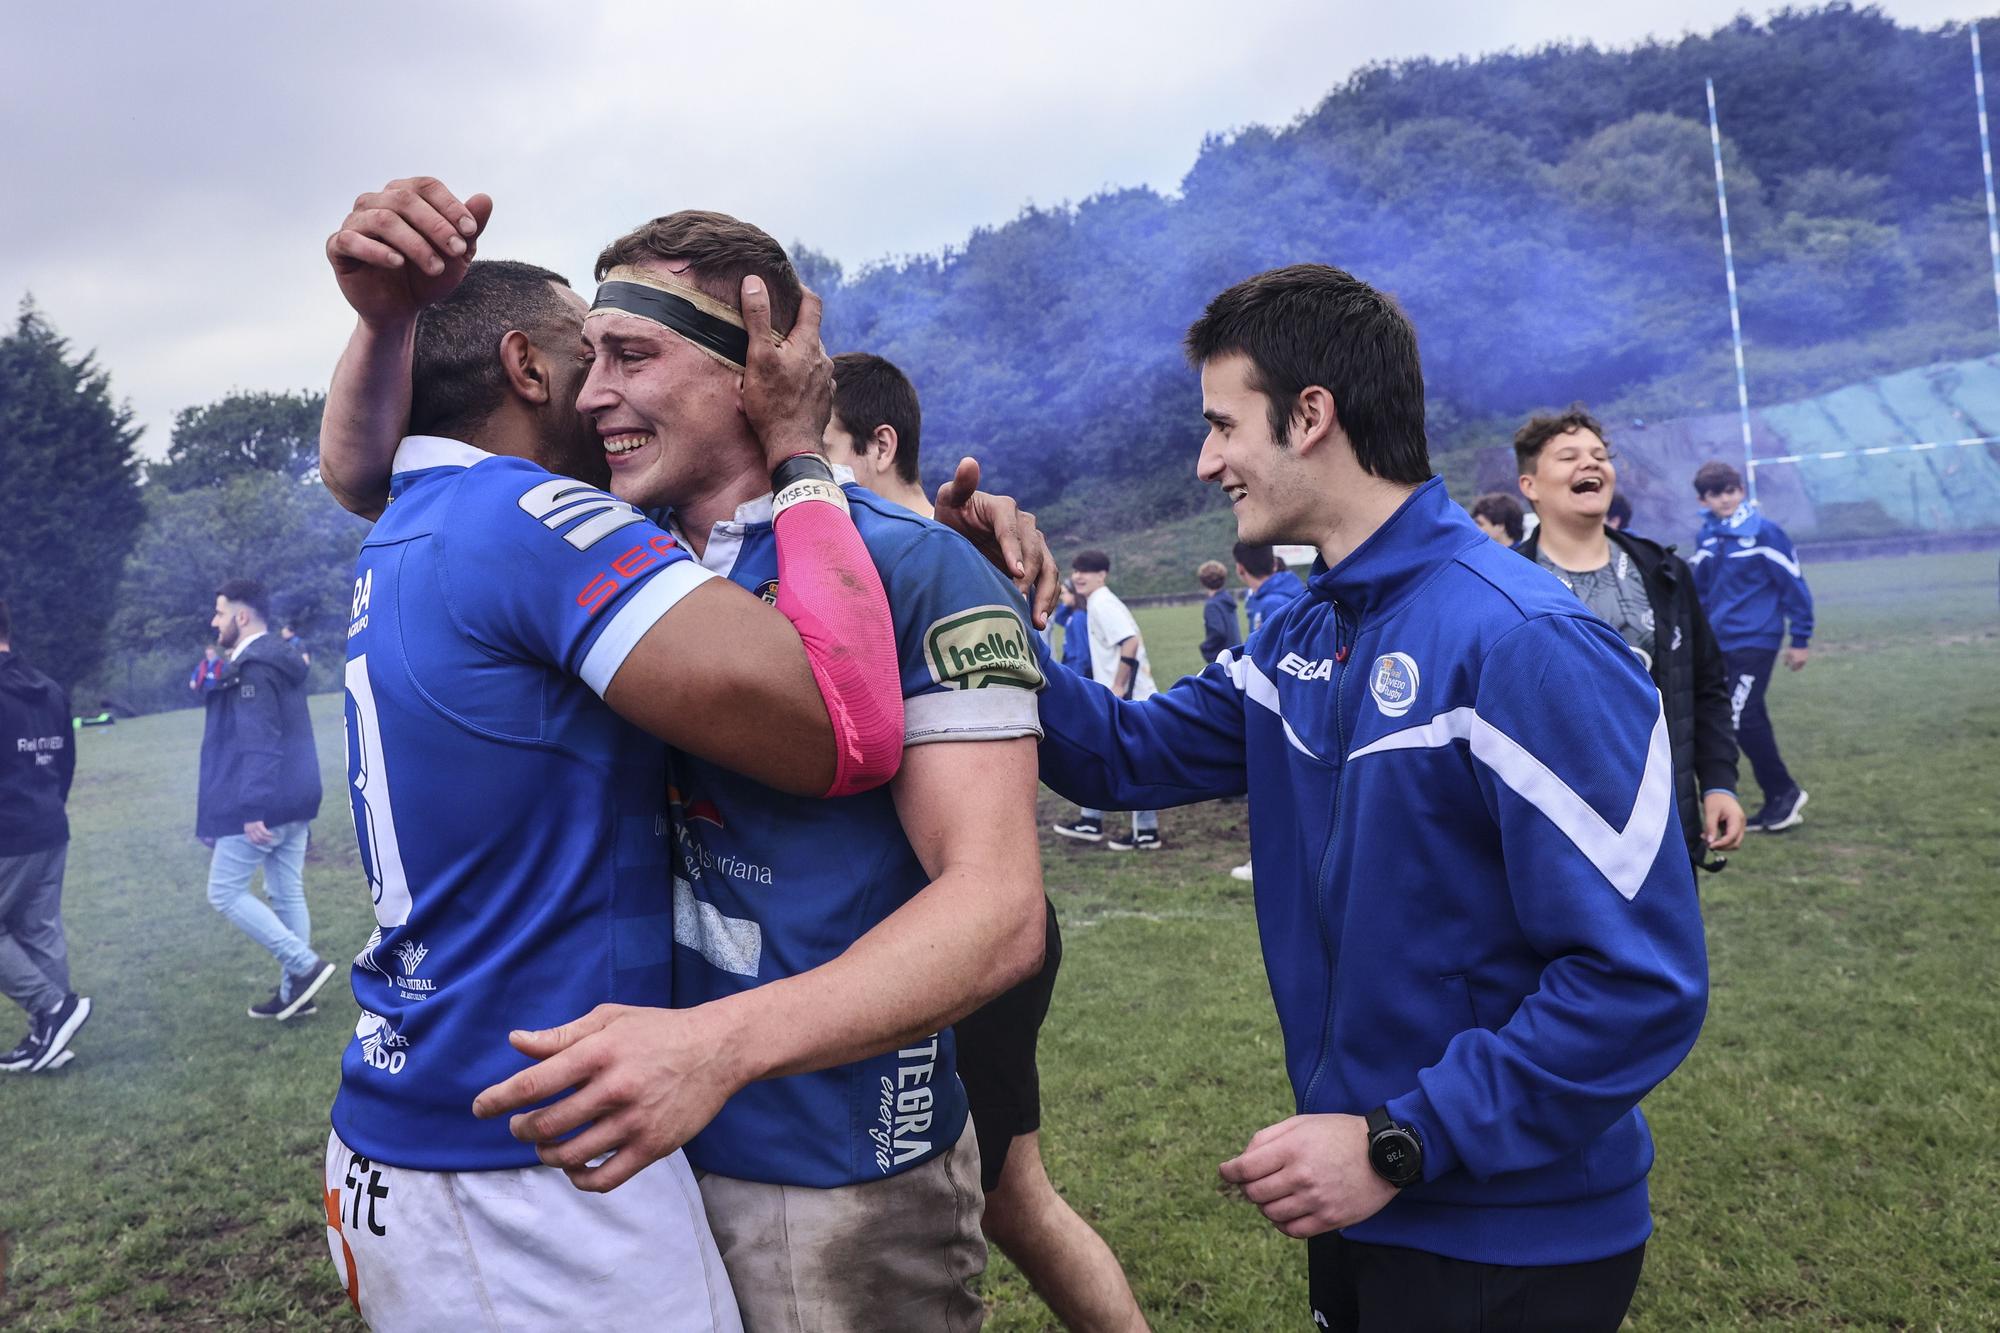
771,885
510,823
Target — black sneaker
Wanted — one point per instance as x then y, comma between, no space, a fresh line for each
299,989
1783,813
1084,830
21,1056
1138,842
55,1029
276,1005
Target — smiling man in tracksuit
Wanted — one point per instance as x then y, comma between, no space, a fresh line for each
1477,912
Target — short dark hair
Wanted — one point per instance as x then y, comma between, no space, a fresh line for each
1313,324
1618,513
1534,436
247,592
1259,560
869,391
456,380
1091,562
1211,575
1502,511
720,251
1713,477
6,623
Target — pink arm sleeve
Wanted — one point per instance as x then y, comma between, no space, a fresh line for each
829,590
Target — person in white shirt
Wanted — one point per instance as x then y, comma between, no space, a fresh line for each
1117,659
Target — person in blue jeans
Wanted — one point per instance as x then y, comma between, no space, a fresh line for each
259,793
1747,575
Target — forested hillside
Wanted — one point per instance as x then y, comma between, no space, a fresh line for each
1547,218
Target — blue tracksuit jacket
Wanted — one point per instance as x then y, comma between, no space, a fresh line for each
1746,572
1272,596
1472,890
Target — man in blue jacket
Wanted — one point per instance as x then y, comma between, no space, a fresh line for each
259,793
1478,916
1747,573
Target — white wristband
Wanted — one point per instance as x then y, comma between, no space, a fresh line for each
805,490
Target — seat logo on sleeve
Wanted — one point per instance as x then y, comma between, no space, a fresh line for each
1393,683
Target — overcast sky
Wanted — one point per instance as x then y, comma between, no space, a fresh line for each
171,171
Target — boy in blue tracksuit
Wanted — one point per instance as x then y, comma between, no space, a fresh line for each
1272,586
1477,912
1747,574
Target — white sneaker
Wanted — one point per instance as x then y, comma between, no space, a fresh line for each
1241,872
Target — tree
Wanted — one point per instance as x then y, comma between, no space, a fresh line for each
242,434
285,533
72,493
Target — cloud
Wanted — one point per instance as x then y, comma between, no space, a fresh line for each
187,161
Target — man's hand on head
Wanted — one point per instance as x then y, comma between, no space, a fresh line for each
788,381
1310,1174
404,246
641,1082
1005,534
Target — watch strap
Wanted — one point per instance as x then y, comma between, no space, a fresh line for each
1378,1120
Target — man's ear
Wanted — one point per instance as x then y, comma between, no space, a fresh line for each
882,445
1526,481
527,370
1313,418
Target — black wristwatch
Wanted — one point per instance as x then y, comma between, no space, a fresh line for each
1394,1150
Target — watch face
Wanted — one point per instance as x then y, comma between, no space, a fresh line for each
1394,1155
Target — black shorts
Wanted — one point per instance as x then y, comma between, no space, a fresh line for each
996,1060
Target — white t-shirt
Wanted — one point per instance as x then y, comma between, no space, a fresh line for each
1110,625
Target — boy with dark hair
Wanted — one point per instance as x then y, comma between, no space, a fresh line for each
1747,572
1645,592
1499,517
37,765
875,431
876,428
1118,660
1476,909
1272,585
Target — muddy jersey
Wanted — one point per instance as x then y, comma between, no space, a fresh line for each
771,885
510,824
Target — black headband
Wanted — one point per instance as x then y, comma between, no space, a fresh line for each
728,341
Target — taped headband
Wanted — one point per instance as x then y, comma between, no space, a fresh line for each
694,315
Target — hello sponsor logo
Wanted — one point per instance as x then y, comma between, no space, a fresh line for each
1393,682
982,646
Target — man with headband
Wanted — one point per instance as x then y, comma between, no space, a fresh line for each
821,947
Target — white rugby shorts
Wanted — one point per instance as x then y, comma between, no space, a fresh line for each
523,1249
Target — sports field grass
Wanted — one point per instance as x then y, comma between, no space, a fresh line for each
1826,1153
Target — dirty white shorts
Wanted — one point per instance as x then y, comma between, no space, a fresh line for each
523,1249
